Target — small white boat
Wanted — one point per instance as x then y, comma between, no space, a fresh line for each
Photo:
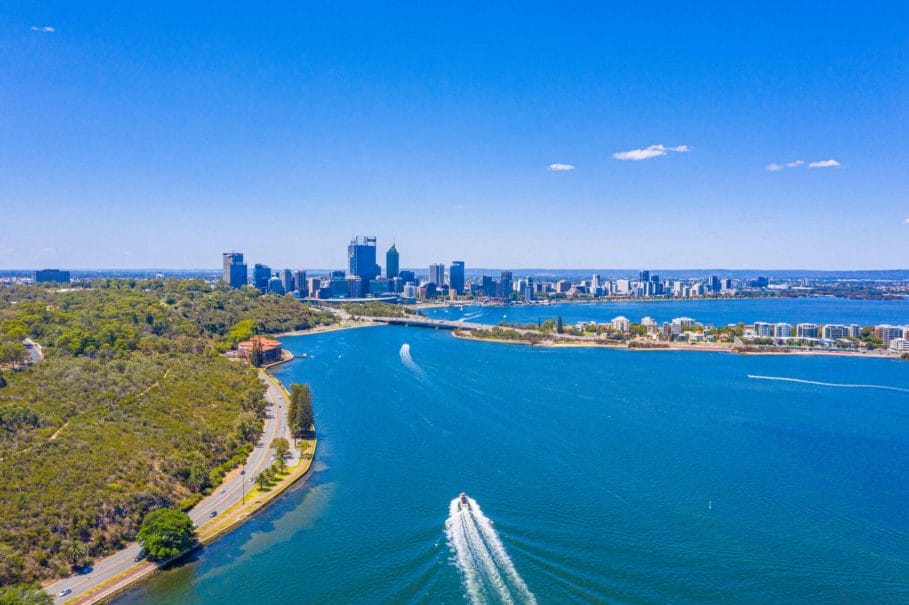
463,502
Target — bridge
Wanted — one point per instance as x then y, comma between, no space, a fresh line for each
434,324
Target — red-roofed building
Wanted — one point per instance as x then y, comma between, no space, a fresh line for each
269,350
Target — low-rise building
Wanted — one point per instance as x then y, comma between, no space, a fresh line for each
620,324
807,330
886,332
900,345
260,350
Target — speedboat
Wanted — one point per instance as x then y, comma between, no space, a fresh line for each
463,502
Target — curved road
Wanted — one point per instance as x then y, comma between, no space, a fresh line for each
223,497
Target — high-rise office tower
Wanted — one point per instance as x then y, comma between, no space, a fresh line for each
505,285
287,280
361,259
234,269
392,260
437,274
300,282
456,276
261,275
645,276
713,282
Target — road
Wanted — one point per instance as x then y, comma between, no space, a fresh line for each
35,352
230,492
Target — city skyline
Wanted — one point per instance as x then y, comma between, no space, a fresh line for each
771,138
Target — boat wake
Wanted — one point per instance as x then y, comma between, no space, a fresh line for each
830,384
407,360
488,573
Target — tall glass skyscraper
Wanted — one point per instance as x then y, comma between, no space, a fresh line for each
437,274
391,262
234,269
456,276
261,275
361,259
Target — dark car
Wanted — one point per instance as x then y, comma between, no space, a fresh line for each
140,556
213,513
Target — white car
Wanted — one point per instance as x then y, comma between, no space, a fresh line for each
64,592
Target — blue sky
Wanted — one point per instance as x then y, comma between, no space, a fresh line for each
145,135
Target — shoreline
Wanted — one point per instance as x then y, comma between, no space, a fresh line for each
231,518
677,347
343,325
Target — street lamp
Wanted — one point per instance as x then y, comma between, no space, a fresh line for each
243,484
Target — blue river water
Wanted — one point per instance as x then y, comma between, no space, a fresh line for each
717,312
594,476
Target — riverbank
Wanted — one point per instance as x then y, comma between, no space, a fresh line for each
590,344
236,501
347,324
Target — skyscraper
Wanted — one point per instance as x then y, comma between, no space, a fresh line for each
392,259
261,275
361,259
300,282
456,276
437,274
287,280
504,288
235,272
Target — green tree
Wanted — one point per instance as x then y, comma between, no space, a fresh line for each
559,327
281,446
165,533
24,595
242,330
12,353
75,551
300,415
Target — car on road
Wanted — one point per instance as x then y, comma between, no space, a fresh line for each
64,592
213,514
140,556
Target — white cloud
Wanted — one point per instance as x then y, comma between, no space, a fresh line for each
825,164
773,167
47,29
560,167
653,151
795,164
906,221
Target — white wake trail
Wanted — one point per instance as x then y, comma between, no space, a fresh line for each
500,554
407,360
481,557
829,384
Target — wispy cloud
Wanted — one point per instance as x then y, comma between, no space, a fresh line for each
906,221
825,164
47,29
560,167
773,167
795,164
654,151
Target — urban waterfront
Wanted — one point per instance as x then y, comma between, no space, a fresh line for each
609,475
719,312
